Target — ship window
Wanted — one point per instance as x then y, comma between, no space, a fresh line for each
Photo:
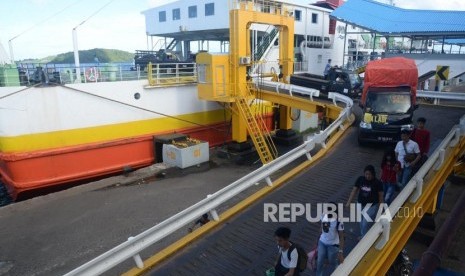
209,9
192,11
298,15
314,18
176,14
162,16
298,39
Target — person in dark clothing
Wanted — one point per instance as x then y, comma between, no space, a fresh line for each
370,195
201,221
286,263
327,68
390,168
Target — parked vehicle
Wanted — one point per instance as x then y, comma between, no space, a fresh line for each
167,59
388,99
339,80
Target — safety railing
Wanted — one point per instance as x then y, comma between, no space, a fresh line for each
413,190
459,96
290,89
171,73
132,247
31,74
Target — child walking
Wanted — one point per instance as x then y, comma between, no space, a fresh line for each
390,168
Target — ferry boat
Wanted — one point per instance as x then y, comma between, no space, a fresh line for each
65,128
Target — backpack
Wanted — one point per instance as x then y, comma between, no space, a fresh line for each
301,259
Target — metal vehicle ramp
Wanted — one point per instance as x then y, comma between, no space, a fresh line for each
245,245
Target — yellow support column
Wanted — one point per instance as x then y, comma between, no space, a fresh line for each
239,35
285,121
239,129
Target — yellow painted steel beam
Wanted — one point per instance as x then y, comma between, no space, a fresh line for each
332,111
295,102
377,262
459,167
240,22
238,208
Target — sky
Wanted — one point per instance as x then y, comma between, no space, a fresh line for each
45,26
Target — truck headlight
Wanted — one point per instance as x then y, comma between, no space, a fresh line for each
407,127
365,125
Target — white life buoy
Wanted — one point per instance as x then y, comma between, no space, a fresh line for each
91,74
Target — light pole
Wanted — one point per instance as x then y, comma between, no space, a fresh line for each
76,55
10,45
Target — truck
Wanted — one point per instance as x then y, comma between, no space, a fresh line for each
388,99
166,58
338,80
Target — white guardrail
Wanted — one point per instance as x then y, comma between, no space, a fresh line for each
460,96
413,189
132,247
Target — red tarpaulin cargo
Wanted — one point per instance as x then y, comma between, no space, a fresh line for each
391,72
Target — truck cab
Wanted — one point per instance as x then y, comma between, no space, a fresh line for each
386,112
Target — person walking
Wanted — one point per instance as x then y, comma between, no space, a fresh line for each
422,137
286,263
327,68
390,169
370,196
331,242
408,154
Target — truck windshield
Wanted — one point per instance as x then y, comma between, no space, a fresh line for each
390,103
354,79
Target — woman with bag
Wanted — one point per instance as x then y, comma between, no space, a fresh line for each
331,241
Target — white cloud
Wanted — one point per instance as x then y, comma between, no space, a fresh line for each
431,4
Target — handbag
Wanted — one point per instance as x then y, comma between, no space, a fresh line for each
409,157
311,261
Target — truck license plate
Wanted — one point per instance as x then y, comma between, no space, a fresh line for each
385,139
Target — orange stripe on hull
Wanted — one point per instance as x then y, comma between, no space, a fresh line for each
23,172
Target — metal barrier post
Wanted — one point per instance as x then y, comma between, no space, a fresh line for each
385,221
137,258
440,159
418,190
268,181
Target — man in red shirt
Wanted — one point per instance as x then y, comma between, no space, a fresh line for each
421,136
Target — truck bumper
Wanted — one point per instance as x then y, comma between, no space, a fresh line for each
379,136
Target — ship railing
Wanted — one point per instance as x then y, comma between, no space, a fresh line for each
160,74
30,74
134,245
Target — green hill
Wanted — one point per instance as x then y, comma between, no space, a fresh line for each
89,56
